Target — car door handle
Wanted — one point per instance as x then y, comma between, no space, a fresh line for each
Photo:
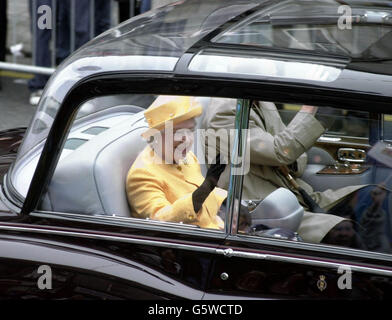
240,254
352,155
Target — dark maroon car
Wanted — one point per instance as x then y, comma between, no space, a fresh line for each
66,228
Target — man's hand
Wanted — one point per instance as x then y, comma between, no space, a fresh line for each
309,109
325,115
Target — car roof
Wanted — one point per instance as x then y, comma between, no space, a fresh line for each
170,38
185,39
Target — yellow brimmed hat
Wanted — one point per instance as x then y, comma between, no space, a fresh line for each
165,108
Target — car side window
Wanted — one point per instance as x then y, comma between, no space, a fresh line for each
346,123
143,157
298,189
86,179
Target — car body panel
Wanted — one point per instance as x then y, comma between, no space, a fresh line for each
109,257
147,267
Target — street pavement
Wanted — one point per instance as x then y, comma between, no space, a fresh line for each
15,110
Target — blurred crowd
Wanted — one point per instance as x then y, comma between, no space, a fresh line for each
3,30
65,41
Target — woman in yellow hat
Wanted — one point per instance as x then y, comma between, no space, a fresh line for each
165,182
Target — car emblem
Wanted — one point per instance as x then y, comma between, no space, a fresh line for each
321,283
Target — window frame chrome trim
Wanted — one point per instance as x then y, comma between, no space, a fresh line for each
129,222
319,247
229,252
174,228
125,239
239,150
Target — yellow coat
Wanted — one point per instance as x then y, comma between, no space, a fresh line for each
163,191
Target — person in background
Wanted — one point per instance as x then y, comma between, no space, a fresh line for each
42,53
102,14
43,57
124,8
3,31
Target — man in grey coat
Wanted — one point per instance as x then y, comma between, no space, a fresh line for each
272,145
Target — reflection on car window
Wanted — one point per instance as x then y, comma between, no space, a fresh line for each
345,122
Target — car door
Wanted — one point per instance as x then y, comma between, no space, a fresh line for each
272,269
75,262
82,230
273,265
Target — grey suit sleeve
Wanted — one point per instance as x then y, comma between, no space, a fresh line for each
283,148
218,123
288,145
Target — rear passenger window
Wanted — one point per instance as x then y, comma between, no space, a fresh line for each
143,157
98,150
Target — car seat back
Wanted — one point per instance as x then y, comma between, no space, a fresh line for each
91,179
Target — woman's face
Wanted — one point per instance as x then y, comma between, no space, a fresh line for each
176,141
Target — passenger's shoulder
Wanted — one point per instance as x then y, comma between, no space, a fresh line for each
220,112
223,105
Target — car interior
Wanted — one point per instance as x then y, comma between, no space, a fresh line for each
90,176
101,147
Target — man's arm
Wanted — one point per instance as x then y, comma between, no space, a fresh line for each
283,148
288,145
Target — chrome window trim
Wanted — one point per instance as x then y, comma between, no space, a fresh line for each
227,252
344,252
236,181
143,224
211,234
123,239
